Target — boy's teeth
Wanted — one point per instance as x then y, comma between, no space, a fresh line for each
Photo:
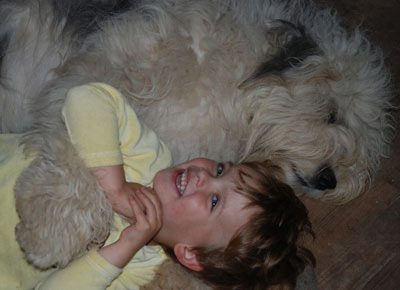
181,182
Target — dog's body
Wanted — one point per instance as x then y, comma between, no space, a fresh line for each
229,80
182,66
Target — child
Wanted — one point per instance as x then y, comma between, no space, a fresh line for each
234,225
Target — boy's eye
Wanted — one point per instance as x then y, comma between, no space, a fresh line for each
220,169
214,201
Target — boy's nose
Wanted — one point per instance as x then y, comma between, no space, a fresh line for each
201,176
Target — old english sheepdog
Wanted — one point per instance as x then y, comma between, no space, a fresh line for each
225,79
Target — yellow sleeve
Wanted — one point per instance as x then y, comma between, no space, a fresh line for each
94,114
90,272
93,272
106,131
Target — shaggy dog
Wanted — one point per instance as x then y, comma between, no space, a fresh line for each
229,79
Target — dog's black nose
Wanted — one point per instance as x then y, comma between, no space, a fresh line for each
325,179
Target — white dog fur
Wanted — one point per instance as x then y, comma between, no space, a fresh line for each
203,75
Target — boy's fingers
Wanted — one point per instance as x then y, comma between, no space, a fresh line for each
153,198
152,212
152,195
157,204
139,213
138,201
148,204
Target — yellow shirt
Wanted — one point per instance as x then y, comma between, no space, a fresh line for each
93,272
106,131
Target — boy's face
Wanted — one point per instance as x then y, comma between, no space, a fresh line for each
200,205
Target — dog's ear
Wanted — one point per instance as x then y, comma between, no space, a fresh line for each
293,46
187,257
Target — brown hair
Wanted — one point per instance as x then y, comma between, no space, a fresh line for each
265,251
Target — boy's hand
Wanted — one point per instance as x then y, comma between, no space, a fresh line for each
146,207
119,200
134,237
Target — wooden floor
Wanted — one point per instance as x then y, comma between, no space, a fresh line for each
358,244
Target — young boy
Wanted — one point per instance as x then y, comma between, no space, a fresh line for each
234,225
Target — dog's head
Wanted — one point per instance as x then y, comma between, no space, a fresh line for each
322,110
312,98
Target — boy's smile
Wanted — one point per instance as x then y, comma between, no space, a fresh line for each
180,181
200,205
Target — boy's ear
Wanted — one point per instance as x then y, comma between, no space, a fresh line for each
187,257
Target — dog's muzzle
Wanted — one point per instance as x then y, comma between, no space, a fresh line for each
324,179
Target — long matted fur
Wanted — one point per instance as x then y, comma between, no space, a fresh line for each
228,79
